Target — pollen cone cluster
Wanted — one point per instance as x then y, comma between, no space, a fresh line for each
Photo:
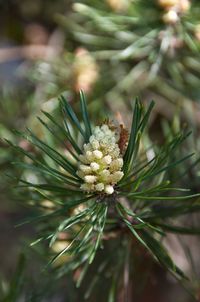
174,9
119,5
101,162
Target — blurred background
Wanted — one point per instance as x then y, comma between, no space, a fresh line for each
114,50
